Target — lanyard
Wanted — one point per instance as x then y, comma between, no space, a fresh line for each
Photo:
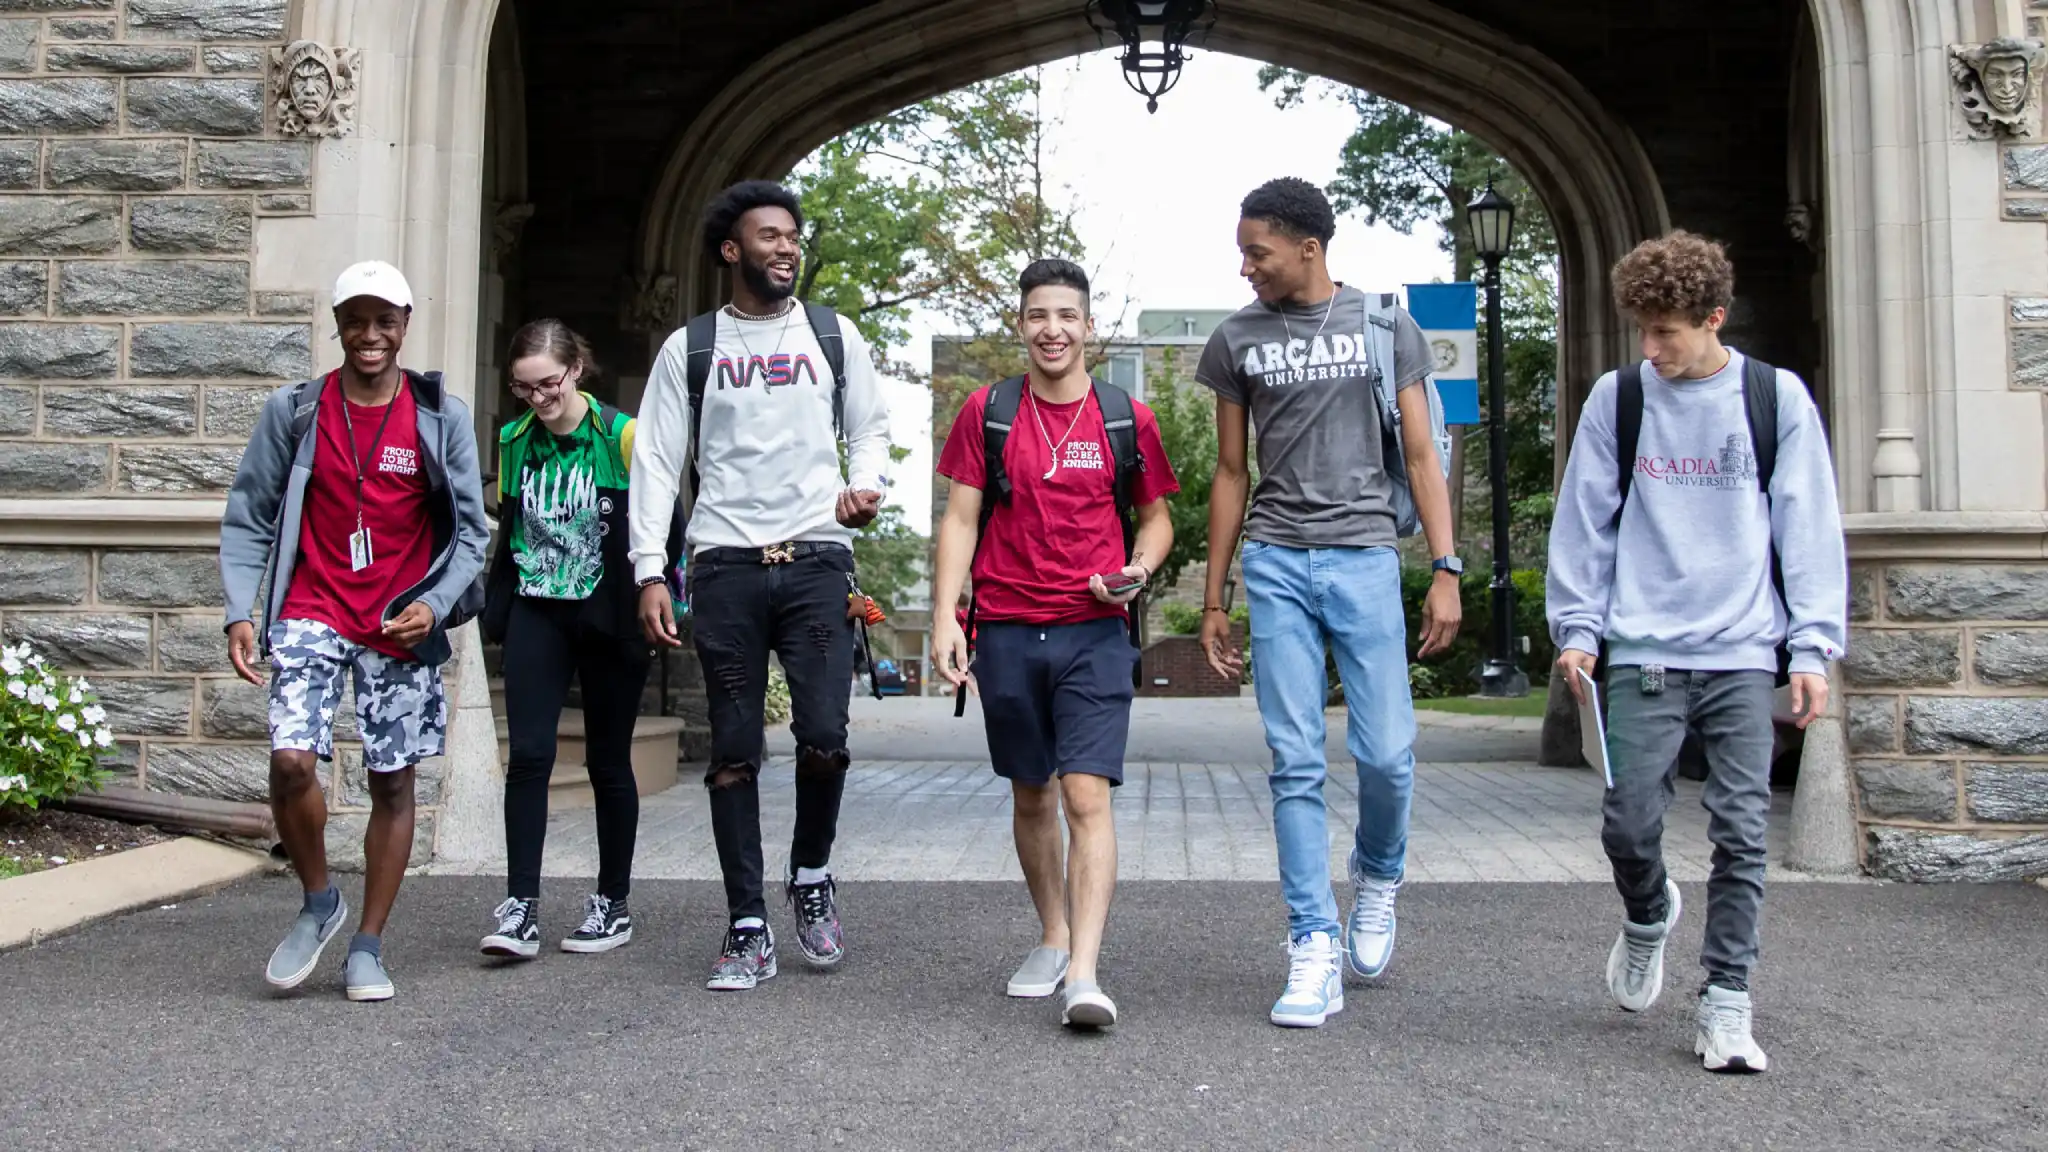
350,426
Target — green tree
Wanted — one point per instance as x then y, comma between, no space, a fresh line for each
938,205
1187,430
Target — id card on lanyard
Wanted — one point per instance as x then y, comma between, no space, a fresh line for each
360,555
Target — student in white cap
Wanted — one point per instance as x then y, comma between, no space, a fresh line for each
358,499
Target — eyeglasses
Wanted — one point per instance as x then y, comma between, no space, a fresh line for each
525,391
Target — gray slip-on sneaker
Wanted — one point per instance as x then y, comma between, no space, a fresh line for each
1087,1007
299,952
367,979
1041,973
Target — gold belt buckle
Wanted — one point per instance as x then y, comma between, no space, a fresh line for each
778,553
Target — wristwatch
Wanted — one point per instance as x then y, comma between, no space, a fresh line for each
1451,564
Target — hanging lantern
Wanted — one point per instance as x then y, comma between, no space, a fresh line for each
1154,34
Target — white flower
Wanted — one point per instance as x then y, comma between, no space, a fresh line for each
84,740
94,714
10,783
11,664
103,737
17,689
35,743
35,694
51,703
68,722
77,697
84,684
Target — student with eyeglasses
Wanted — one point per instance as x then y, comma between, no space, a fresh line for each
562,602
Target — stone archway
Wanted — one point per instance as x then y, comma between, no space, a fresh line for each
1923,257
1592,176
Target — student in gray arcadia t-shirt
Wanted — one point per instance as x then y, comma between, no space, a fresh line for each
1321,573
1302,374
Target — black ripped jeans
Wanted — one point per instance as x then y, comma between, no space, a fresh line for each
546,642
744,608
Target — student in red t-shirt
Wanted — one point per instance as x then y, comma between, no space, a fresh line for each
1052,657
358,514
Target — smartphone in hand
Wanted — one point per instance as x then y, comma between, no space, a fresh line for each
1118,583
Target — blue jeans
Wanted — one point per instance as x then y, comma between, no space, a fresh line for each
1298,596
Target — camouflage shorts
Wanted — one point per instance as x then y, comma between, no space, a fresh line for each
400,706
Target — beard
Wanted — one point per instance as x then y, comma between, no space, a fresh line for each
763,285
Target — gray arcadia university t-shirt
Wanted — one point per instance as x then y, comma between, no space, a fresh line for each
1322,483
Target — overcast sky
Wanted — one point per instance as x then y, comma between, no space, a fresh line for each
1157,197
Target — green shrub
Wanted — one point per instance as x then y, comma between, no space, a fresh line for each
1181,619
52,730
1456,672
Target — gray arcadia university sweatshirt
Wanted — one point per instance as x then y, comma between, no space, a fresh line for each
1684,580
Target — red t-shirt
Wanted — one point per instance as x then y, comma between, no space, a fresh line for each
325,586
1040,548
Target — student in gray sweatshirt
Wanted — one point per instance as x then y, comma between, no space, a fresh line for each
1712,572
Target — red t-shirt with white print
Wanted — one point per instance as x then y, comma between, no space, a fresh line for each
1040,549
325,585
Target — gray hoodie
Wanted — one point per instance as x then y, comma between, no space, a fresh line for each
1685,579
259,535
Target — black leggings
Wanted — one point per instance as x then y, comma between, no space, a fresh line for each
545,642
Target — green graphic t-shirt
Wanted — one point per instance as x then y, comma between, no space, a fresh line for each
566,489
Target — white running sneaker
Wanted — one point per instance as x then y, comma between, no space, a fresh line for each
1635,965
1315,988
1722,1040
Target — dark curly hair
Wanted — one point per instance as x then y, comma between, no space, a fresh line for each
1054,272
1681,273
723,214
1293,206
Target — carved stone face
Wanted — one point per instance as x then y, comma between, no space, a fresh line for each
2005,83
312,88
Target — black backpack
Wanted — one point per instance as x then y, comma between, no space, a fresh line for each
703,340
1120,423
1760,404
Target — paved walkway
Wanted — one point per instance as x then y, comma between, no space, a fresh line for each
1895,1017
922,804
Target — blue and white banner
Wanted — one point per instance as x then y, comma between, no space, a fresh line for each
1448,315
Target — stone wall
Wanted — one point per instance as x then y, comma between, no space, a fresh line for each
1947,712
138,156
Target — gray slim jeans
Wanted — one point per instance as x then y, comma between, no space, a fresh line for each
1732,712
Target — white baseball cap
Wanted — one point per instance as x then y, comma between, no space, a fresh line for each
373,278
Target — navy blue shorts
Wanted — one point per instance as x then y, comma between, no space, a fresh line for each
1056,697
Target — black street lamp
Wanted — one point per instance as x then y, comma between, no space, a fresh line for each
1151,73
1492,217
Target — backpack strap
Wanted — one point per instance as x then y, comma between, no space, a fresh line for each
1628,428
1760,405
825,325
701,344
1120,424
610,422
305,402
998,414
1760,400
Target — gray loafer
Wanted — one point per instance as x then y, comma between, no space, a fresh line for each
299,952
